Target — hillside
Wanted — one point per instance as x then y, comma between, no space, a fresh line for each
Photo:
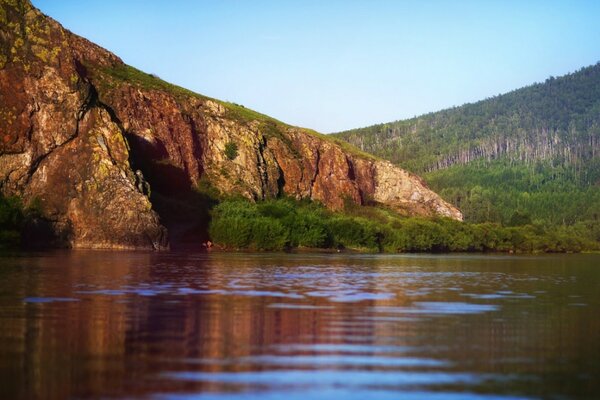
112,157
530,153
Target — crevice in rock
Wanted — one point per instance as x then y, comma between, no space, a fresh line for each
351,172
280,181
196,145
34,109
262,168
316,174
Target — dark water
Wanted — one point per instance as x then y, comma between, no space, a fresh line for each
241,326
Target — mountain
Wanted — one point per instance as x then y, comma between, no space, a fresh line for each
112,157
531,153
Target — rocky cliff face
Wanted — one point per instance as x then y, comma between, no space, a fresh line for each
102,146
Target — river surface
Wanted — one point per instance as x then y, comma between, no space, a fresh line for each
279,326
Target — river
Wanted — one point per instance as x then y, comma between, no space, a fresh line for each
94,324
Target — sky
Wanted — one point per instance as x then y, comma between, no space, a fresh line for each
333,65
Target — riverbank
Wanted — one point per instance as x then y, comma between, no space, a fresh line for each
286,224
290,225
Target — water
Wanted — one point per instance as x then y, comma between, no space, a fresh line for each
250,326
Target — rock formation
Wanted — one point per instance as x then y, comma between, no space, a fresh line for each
102,146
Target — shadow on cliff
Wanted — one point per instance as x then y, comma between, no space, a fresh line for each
39,233
183,211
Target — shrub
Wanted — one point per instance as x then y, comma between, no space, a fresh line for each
11,212
395,240
9,239
231,150
283,223
241,208
268,234
232,231
307,229
352,232
276,208
12,217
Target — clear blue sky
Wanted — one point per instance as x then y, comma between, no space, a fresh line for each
340,64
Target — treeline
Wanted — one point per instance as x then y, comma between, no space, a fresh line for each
286,224
503,191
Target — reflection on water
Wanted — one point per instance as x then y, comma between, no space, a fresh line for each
103,324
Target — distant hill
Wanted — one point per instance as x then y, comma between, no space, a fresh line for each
528,155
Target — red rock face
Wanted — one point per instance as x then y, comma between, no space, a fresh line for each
90,137
60,146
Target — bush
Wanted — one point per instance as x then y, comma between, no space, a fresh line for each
11,212
231,150
276,208
288,223
12,217
353,232
307,229
395,240
234,232
268,234
231,223
236,208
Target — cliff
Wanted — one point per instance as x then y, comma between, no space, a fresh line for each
113,155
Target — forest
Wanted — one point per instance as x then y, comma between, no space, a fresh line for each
529,154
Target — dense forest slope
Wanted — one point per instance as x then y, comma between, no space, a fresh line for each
530,155
108,156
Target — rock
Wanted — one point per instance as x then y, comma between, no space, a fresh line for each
102,146
60,145
404,191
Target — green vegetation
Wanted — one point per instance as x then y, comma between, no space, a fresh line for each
131,75
527,156
242,114
285,224
20,225
500,191
269,225
11,222
231,150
